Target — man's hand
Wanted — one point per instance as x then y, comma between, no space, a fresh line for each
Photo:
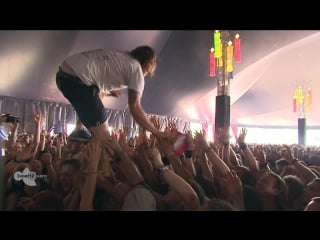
114,93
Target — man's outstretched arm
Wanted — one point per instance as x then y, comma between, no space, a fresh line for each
134,101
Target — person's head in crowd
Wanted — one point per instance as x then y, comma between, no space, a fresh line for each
313,205
45,157
273,191
295,151
31,137
76,145
117,171
315,170
199,191
283,153
216,204
280,164
252,199
48,200
311,190
170,201
48,144
210,189
118,195
288,170
35,166
295,187
25,138
17,146
68,173
245,175
315,160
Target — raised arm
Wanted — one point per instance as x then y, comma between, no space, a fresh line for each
138,113
92,157
306,175
252,163
178,184
219,166
37,123
13,136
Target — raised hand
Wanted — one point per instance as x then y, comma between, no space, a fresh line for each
14,126
26,153
242,136
37,119
259,154
92,153
114,145
231,189
123,138
46,159
166,146
190,142
156,123
200,142
154,156
215,147
142,141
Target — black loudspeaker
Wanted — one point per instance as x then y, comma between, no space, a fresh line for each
222,117
302,131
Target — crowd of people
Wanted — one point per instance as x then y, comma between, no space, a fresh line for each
93,169
77,172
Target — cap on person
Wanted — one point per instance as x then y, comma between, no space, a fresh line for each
139,199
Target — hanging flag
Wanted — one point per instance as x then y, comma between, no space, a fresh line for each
212,72
294,101
300,95
217,44
308,103
237,48
229,57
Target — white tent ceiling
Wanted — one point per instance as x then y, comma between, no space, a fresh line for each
273,64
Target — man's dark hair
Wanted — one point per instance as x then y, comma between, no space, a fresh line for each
146,57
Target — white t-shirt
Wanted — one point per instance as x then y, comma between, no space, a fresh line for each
108,69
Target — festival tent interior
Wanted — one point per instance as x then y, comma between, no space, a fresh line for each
274,63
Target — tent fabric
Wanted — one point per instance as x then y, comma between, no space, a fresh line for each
273,63
56,114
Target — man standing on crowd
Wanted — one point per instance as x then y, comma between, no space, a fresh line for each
84,77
